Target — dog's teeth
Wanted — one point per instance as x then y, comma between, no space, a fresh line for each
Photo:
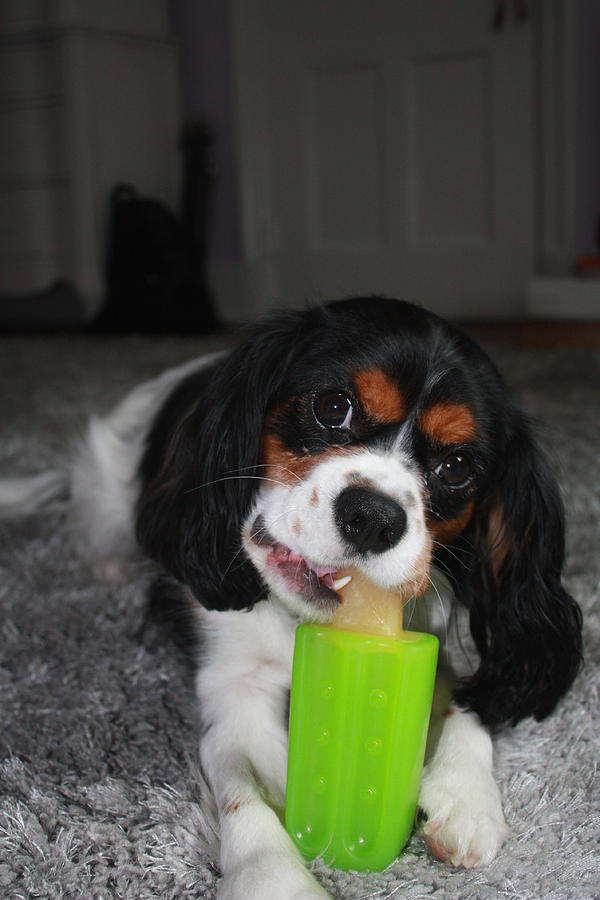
341,582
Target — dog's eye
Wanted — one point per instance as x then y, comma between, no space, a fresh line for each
333,409
455,470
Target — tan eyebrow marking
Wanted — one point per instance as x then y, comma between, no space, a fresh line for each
448,423
380,396
286,467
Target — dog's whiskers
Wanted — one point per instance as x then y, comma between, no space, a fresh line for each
235,478
445,617
266,466
236,556
452,553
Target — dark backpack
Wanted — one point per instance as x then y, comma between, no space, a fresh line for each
155,267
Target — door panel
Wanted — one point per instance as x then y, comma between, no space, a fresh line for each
449,169
386,147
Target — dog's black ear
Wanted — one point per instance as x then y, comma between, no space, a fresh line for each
199,473
526,626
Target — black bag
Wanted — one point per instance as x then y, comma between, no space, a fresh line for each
155,266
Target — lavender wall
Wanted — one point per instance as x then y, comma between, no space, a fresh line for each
201,27
587,125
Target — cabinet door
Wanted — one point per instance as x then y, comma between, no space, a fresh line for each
386,147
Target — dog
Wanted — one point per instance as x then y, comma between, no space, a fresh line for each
368,433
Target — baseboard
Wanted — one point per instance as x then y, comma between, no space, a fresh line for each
572,298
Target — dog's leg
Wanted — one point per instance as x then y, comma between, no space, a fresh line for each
460,807
243,751
258,860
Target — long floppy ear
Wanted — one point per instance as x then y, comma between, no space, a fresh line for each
525,625
199,486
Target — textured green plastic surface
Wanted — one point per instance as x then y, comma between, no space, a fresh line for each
359,715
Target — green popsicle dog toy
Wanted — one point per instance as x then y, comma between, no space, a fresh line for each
361,697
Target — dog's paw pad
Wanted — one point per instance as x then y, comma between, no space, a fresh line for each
462,827
462,840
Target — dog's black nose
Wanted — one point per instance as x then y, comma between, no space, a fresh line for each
368,520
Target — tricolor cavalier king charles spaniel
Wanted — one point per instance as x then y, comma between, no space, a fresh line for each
366,432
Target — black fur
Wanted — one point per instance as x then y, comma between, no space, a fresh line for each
199,471
526,627
202,465
174,610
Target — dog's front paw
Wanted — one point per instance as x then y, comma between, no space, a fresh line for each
271,877
461,817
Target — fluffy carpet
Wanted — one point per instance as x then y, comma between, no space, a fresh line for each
99,792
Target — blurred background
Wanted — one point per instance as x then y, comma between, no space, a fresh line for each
183,166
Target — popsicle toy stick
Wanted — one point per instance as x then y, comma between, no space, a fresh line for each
359,712
368,608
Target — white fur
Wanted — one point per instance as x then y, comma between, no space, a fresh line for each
245,668
460,797
22,496
307,525
104,485
242,690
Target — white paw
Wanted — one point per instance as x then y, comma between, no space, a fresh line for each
463,823
271,877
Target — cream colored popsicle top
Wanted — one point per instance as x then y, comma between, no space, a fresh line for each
368,608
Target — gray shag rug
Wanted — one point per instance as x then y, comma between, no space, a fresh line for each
99,791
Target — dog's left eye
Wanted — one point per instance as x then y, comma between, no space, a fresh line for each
333,409
455,470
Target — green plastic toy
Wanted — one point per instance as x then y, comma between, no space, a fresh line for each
359,714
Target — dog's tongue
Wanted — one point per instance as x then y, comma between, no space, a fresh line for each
322,572
283,557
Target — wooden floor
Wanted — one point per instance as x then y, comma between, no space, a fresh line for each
528,333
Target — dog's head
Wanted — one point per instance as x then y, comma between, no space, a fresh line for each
370,433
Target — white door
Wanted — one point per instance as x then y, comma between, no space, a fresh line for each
386,146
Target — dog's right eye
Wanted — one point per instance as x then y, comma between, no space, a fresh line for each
333,409
455,470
